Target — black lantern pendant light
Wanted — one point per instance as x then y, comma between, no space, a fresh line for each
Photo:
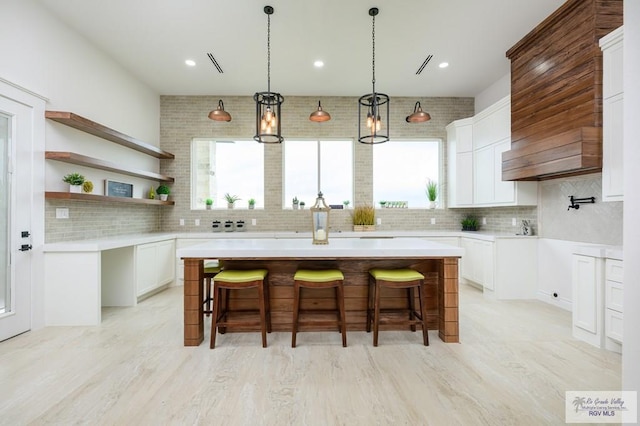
320,115
268,103
418,116
219,114
373,108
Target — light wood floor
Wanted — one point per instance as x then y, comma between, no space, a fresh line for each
515,361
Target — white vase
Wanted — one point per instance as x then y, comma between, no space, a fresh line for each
432,204
76,189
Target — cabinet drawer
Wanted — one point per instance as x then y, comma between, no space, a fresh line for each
613,295
614,270
613,325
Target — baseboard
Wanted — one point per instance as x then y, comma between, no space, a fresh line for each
560,302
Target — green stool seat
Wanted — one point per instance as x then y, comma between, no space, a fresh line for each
321,276
212,267
319,279
404,278
230,279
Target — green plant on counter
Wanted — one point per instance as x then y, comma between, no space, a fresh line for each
231,198
74,179
469,223
252,201
346,204
364,215
208,202
432,190
163,189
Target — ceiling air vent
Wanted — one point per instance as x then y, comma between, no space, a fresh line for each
215,63
424,64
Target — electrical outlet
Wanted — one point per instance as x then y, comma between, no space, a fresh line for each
433,220
379,221
197,221
62,213
254,222
181,222
484,220
513,221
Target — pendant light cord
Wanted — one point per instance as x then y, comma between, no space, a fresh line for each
373,56
269,53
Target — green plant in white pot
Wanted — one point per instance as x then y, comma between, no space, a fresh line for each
231,200
75,181
163,191
208,203
432,193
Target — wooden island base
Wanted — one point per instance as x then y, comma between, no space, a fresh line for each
441,278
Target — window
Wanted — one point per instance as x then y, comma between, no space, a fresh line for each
401,170
312,165
220,167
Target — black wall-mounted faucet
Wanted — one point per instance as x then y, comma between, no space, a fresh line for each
575,202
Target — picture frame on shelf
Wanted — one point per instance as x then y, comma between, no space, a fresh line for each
118,189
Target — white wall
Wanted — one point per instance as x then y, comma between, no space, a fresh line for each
493,93
44,56
631,233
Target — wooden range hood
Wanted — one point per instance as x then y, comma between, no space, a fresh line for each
556,93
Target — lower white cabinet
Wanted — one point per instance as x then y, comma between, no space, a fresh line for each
597,301
506,268
154,266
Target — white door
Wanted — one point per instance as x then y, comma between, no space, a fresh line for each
16,195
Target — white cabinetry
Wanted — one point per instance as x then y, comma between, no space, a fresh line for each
154,265
506,268
587,279
492,137
613,303
475,147
460,170
612,116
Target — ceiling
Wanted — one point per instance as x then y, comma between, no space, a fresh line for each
153,38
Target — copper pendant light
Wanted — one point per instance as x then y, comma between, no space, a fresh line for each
418,116
320,115
219,114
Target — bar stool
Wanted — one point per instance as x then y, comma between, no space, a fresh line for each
240,280
327,278
211,269
402,279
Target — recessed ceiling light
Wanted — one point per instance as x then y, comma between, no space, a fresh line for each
190,62
318,64
443,64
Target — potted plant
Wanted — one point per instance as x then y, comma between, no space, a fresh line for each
163,191
295,203
469,223
363,218
346,204
252,203
208,203
383,204
432,193
302,204
75,181
231,200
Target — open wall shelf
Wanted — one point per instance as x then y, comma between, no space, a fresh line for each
83,160
77,122
103,198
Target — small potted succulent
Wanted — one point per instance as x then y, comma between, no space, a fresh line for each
163,191
75,181
295,203
208,203
231,200
346,204
302,204
252,203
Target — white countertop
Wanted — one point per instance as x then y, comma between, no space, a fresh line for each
600,251
107,243
303,248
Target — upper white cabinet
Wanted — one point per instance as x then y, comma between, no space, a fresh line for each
460,170
612,116
475,174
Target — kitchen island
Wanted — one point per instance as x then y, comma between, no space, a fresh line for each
353,256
